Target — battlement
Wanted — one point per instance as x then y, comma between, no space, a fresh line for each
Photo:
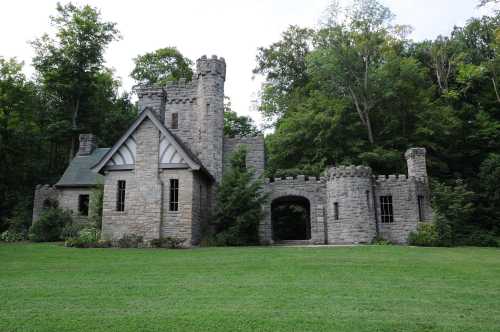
349,171
296,180
213,66
391,178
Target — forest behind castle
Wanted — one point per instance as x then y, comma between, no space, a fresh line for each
354,90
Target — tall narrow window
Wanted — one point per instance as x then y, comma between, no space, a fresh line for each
386,215
336,211
83,205
174,195
420,208
175,121
120,196
368,198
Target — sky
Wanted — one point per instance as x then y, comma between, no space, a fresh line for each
233,29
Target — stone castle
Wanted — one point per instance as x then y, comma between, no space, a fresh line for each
160,178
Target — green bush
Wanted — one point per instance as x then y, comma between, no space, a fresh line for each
239,204
71,231
130,241
380,241
13,236
480,238
168,242
425,236
50,225
88,237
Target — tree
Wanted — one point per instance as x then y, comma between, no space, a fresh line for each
161,66
351,51
239,204
283,65
235,125
21,143
69,63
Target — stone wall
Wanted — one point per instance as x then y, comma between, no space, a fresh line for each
43,193
311,188
178,224
350,189
255,151
404,192
143,198
69,200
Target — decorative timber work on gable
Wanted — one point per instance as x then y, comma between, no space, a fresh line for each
169,156
124,157
172,152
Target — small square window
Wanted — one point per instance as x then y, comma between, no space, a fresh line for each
386,209
83,205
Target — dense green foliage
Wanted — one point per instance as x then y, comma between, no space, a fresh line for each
162,66
46,287
72,93
237,125
356,90
238,209
49,227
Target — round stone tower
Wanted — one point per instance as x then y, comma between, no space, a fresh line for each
350,208
211,75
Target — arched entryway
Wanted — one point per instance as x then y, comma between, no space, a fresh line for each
291,219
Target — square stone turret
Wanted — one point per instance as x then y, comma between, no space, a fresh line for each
417,165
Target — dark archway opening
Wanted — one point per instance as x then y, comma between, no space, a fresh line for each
291,219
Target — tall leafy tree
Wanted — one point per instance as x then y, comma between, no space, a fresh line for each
69,63
237,125
161,66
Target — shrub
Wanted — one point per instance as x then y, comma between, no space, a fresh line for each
168,242
239,204
380,241
50,225
129,241
96,201
425,236
88,237
71,231
480,238
13,236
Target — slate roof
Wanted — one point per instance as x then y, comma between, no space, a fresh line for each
79,172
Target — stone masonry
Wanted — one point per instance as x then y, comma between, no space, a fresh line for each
187,117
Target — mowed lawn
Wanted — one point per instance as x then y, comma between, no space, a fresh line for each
46,287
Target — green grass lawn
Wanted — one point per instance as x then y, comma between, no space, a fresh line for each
46,287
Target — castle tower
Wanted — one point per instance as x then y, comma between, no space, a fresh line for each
211,75
417,166
194,110
350,208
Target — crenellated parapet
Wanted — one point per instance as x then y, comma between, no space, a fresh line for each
349,171
299,180
211,66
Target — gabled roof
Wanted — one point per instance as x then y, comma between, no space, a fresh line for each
187,155
79,172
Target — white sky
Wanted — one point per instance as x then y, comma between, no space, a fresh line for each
229,28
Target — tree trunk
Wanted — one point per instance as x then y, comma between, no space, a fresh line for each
495,88
74,126
363,116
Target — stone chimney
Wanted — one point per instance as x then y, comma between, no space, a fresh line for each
87,144
417,165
